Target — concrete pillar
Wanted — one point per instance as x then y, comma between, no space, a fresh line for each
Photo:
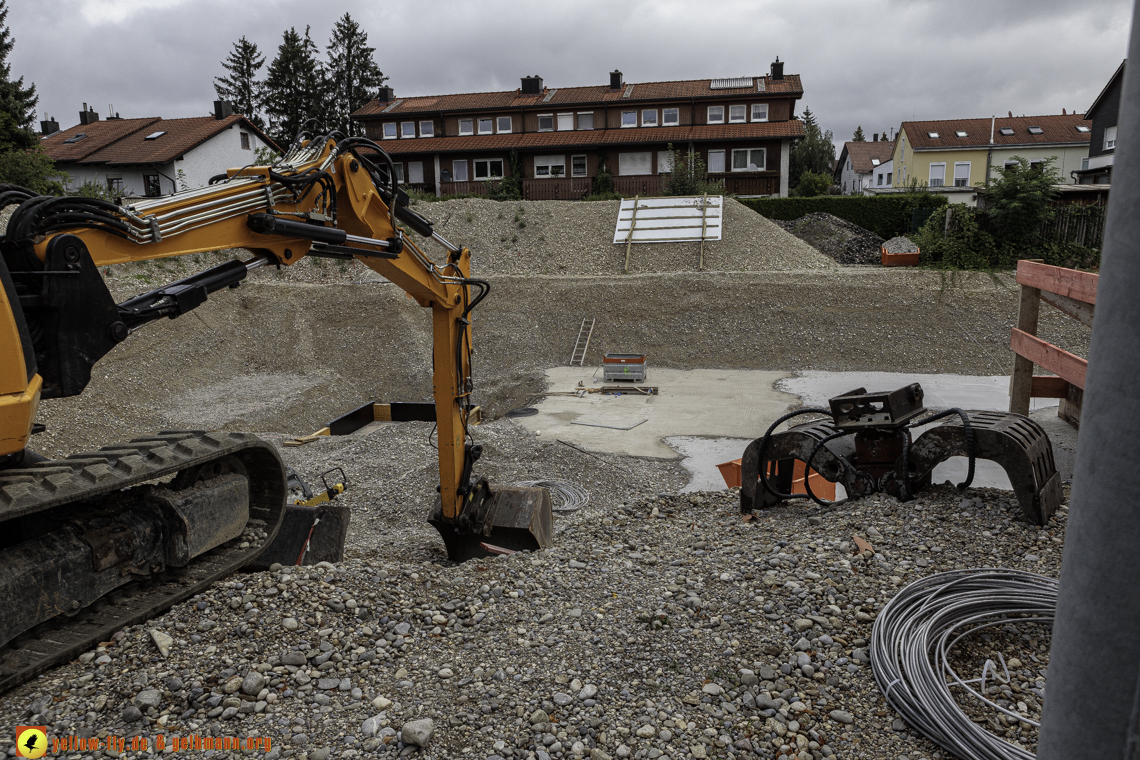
785,165
438,190
1092,703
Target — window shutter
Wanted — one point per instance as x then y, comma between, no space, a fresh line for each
565,122
635,163
415,172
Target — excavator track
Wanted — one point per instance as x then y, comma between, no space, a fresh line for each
100,476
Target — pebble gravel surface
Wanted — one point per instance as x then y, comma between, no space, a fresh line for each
844,241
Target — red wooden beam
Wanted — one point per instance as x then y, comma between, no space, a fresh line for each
1047,386
1059,362
1080,286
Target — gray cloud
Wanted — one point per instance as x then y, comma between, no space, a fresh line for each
873,64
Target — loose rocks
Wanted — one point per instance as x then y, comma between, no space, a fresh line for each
900,245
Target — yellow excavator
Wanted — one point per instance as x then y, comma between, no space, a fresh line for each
106,538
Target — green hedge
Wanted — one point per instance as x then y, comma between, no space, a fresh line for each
885,215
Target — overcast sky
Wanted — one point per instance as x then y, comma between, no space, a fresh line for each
873,63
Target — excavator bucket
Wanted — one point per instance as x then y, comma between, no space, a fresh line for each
502,521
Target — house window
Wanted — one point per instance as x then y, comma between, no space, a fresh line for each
959,133
748,160
546,122
1006,131
549,166
889,174
664,162
390,130
716,114
565,122
649,117
491,168
245,140
961,173
1109,138
629,118
759,112
427,129
415,172
115,183
585,120
670,116
485,126
504,125
937,175
1036,131
635,163
932,135
152,186
399,173
578,166
736,114
879,179
1082,128
1084,164
407,129
459,169
716,161
466,126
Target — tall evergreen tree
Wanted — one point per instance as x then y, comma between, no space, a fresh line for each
353,76
241,87
295,88
859,135
17,103
814,152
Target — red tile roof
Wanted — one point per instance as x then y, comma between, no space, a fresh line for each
597,137
556,97
100,134
1056,128
861,154
122,142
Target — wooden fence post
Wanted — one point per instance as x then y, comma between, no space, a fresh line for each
1021,384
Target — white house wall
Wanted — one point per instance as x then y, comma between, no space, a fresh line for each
222,151
882,170
132,176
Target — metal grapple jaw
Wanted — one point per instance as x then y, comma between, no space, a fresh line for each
880,455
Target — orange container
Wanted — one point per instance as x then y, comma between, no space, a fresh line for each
820,486
897,260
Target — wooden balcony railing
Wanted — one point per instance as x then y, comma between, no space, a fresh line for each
556,189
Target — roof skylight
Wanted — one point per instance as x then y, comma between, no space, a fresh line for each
932,135
75,138
1082,128
959,133
1036,131
155,135
875,162
1007,131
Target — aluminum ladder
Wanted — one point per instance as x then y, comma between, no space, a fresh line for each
583,342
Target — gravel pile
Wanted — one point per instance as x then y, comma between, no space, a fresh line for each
659,626
900,244
844,241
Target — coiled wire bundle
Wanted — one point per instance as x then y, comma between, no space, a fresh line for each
573,497
913,637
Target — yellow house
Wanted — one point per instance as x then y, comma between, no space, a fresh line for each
963,152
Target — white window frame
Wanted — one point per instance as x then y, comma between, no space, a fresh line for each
395,130
490,125
759,112
666,122
743,114
407,130
399,172
719,153
719,117
488,161
930,175
631,121
748,155
455,170
470,123
542,116
966,179
499,125
589,117
561,118
585,166
1110,138
649,112
542,163
430,131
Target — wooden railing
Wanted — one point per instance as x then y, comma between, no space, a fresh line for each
1073,293
556,189
748,184
643,184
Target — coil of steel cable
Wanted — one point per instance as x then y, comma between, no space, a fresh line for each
573,497
913,637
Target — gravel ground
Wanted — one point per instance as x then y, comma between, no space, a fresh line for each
900,244
659,626
844,241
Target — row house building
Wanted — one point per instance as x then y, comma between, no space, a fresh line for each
559,138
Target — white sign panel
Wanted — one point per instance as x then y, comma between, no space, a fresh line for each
669,220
